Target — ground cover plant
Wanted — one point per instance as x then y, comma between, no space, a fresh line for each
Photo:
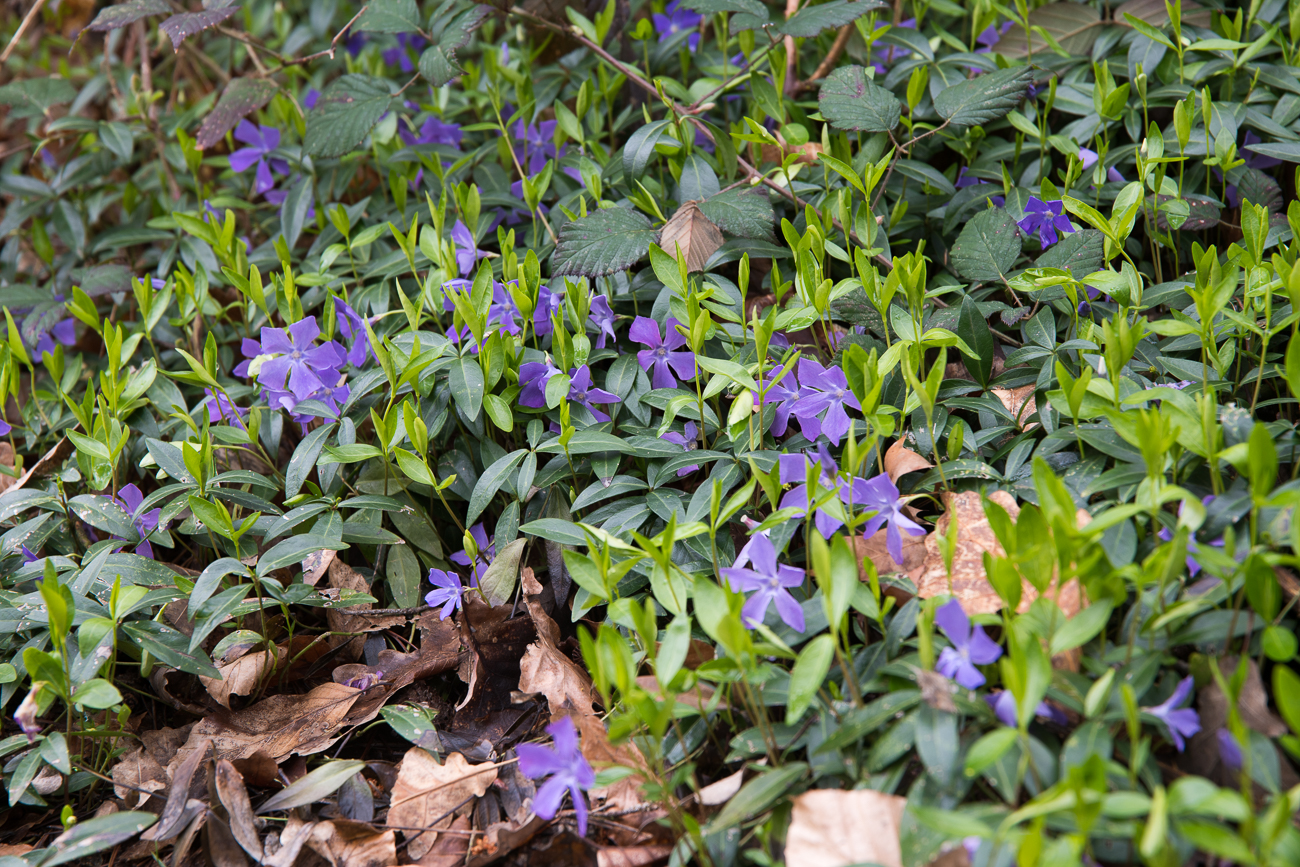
622,434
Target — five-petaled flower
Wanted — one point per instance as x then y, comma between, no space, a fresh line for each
881,495
298,361
64,332
433,131
601,315
130,499
689,440
487,551
533,376
568,769
664,354
582,393
1045,219
970,647
467,252
1182,722
548,304
676,19
405,54
782,393
823,392
503,311
769,581
794,470
447,593
261,142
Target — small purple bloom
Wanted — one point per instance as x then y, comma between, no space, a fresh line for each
64,332
1045,218
1004,707
567,768
1229,749
662,357
487,551
355,42
881,495
433,131
261,141
306,367
518,215
784,393
965,179
1181,723
882,60
130,499
794,470
601,315
688,440
970,647
309,101
25,715
1089,159
533,377
769,581
464,334
539,145
448,594
5,428
365,681
581,392
823,390
467,253
1165,535
991,36
405,54
220,408
548,304
503,311
29,556
353,329
678,20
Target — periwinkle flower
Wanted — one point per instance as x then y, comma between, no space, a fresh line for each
406,53
5,428
1004,707
676,19
601,315
503,311
467,252
1045,219
582,393
783,394
770,582
965,179
466,335
1181,722
991,36
970,646
882,60
688,440
823,392
447,593
548,304
487,551
25,715
568,769
533,376
433,131
1166,535
365,681
539,145
29,556
1229,749
221,408
663,355
353,329
261,141
310,99
130,499
298,361
1089,159
64,332
794,470
881,495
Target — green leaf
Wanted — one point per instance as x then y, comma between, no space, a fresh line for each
555,530
304,459
1286,151
603,243
389,16
1080,253
502,576
849,101
96,835
741,212
984,98
714,7
97,694
181,27
170,647
294,550
32,97
972,328
314,786
122,14
438,62
937,742
1286,692
812,20
810,669
758,794
345,113
293,212
104,513
989,749
987,247
466,380
242,97
210,579
404,576
1081,628
490,482
640,148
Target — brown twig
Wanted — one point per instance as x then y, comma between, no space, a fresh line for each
824,68
791,53
22,28
333,43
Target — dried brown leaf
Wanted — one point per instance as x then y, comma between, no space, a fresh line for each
900,460
222,847
136,775
14,849
544,669
836,828
1202,754
234,797
449,850
353,844
175,814
353,619
694,233
720,792
1020,403
427,794
500,839
876,548
632,856
49,462
242,676
295,835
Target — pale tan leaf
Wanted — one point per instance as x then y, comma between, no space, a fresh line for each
136,775
632,856
234,797
544,669
876,548
720,792
353,844
694,233
16,850
426,794
836,828
900,460
354,619
242,676
1020,403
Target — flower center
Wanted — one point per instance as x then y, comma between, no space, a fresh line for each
661,351
295,355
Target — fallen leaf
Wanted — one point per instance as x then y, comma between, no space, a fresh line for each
936,690
354,618
876,548
1019,402
900,460
353,844
222,848
14,849
632,856
7,458
295,835
49,462
544,669
500,839
836,828
177,812
426,794
314,566
47,781
449,849
694,233
136,775
720,792
233,795
242,676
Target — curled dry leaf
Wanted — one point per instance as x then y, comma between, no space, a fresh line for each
836,828
234,797
499,840
243,676
900,460
720,792
544,669
694,233
632,856
353,844
1019,402
354,619
427,794
136,775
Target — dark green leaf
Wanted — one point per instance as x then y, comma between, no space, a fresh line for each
984,98
404,576
987,247
1073,25
850,101
293,212
640,148
555,530
304,459
490,482
291,551
466,380
602,243
242,97
758,794
389,16
812,20
181,27
741,212
345,113
96,835
974,329
122,14
170,647
1080,253
104,513
438,63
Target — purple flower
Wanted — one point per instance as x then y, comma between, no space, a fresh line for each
130,499
677,20
1093,293
1089,159
1254,160
448,594
503,311
970,647
533,377
404,54
823,390
261,142
464,334
581,392
353,329
1165,535
1181,723
29,556
601,315
548,304
770,582
539,146
794,469
1004,707
64,332
355,42
220,408
991,36
1045,218
661,359
1229,749
365,681
567,768
881,495
309,101
433,131
688,440
517,215
306,367
964,179
784,393
487,551
882,60
467,253
25,715
277,197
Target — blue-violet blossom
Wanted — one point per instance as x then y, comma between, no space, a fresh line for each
770,582
970,647
568,770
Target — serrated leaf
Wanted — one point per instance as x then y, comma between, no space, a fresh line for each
181,27
812,20
741,212
984,98
849,101
691,232
602,243
242,97
32,97
1080,253
389,16
1074,26
438,63
122,14
713,7
345,113
987,247
1259,189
